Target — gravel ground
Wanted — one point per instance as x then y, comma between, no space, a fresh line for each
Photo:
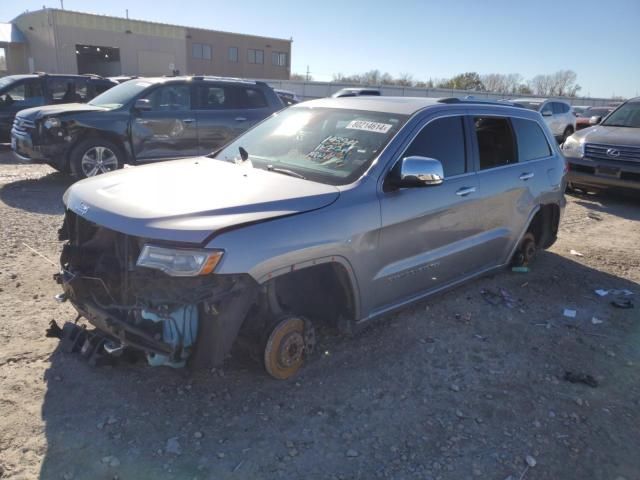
451,388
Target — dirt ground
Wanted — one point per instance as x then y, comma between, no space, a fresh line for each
451,388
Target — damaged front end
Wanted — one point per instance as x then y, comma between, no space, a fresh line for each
162,300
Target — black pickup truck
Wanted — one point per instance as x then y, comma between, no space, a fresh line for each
142,120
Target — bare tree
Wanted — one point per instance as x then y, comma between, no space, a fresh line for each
560,84
405,80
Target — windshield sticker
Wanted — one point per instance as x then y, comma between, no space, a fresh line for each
369,126
332,150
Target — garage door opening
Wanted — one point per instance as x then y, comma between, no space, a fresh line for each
104,61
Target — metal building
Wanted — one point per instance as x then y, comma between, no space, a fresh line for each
63,41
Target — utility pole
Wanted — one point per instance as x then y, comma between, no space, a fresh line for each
127,13
308,72
61,4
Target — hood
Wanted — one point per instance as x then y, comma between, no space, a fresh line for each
189,200
55,110
610,135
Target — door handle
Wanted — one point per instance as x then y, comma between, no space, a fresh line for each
241,119
188,120
526,176
464,191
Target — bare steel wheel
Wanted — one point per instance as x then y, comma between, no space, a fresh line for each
95,156
288,344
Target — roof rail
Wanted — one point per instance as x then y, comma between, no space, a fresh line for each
92,75
472,100
223,79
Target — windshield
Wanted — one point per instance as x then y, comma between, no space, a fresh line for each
120,94
627,115
530,105
326,145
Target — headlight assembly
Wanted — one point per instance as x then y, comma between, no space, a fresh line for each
573,148
52,122
179,262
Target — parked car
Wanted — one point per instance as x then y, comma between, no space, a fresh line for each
585,119
356,92
334,211
18,92
579,109
142,120
556,113
123,78
607,155
288,98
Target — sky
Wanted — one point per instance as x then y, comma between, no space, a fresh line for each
427,39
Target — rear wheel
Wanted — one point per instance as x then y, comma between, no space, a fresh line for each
94,156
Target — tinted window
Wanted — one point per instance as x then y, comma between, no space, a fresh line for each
442,139
557,107
25,94
250,98
532,143
547,108
170,98
100,87
496,145
67,90
214,97
120,94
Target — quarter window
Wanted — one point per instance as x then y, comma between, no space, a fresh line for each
532,143
443,140
233,54
496,144
251,98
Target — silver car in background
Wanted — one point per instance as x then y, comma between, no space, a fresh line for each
330,212
557,114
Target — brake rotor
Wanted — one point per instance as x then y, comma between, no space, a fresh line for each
289,342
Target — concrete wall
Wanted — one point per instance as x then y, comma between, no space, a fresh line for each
38,29
220,64
309,90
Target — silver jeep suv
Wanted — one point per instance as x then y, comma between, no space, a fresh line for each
334,211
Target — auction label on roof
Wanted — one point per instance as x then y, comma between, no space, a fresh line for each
369,126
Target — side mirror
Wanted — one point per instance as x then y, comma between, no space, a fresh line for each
595,120
142,104
416,171
547,113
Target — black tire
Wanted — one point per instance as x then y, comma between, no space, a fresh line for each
567,133
94,156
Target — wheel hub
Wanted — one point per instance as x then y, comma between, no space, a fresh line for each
289,342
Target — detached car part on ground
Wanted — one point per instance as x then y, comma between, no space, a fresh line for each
142,120
607,155
332,212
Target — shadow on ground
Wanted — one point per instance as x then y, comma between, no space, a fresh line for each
380,403
37,195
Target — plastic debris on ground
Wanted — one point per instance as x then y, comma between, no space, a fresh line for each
520,269
602,293
574,377
569,313
596,321
576,253
502,297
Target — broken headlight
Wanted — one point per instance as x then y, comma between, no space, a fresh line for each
52,122
179,262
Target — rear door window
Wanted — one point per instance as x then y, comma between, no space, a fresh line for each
215,97
67,90
496,142
443,140
557,108
532,143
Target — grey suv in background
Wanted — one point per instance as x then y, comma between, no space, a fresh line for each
333,211
607,155
557,114
142,120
